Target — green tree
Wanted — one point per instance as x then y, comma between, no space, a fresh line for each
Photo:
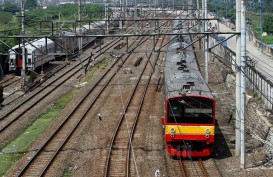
6,17
8,7
268,24
31,4
94,11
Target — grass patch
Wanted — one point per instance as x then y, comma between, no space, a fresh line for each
89,77
16,148
67,172
268,39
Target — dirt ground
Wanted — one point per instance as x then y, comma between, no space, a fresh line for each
84,155
258,159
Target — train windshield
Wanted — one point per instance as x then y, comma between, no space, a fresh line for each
190,110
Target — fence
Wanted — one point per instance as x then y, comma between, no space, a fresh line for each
254,38
255,80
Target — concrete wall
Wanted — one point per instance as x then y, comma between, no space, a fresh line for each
254,39
255,80
257,123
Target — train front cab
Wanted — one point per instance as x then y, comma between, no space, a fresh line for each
16,60
189,126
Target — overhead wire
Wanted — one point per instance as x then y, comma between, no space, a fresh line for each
178,129
251,127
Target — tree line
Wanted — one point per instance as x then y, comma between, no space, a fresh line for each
10,21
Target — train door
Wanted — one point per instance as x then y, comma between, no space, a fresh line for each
19,59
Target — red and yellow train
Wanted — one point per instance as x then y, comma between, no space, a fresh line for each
189,117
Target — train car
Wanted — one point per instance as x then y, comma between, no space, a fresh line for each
189,116
68,40
35,53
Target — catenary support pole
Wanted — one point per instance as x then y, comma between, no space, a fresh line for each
261,26
243,80
238,78
198,16
206,41
120,15
80,27
203,8
226,12
23,71
106,18
124,9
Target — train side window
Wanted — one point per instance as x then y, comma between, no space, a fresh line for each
29,61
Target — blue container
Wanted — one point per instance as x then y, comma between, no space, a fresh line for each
221,38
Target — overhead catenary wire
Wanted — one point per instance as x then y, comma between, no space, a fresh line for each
252,135
234,63
244,73
127,126
185,144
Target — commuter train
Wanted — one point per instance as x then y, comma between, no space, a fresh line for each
37,51
189,116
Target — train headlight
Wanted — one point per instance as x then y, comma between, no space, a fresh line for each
207,131
172,130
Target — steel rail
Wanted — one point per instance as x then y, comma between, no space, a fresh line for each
65,121
109,45
5,80
114,135
9,82
32,96
182,168
138,113
14,108
202,167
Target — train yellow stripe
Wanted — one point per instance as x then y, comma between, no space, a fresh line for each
200,130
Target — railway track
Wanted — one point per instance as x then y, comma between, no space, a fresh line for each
198,168
118,158
43,158
34,85
39,94
10,80
192,168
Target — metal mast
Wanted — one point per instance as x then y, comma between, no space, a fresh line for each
261,25
23,71
198,16
206,41
80,28
106,17
243,80
238,79
124,9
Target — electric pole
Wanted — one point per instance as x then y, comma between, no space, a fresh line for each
198,16
80,28
206,40
106,18
226,12
124,9
23,70
261,25
243,80
238,79
121,14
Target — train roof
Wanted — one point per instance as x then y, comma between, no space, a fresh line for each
182,75
85,28
31,46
